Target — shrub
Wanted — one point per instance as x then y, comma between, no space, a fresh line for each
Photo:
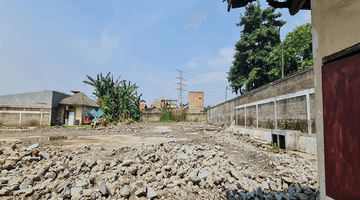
186,117
196,120
114,122
165,116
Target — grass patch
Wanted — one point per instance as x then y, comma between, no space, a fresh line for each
165,121
75,126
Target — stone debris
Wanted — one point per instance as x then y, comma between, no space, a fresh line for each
169,170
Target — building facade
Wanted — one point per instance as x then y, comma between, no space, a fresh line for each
196,102
30,109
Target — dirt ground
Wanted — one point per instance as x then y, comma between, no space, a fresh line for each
114,137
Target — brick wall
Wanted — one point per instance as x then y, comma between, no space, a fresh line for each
196,102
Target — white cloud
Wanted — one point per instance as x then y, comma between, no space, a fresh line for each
102,50
225,57
220,61
307,16
191,63
212,79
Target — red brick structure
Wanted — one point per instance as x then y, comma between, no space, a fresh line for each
196,102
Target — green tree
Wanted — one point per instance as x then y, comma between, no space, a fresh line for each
298,53
260,34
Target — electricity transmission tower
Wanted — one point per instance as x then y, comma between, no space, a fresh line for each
181,87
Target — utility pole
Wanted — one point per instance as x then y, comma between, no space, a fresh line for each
226,92
181,87
282,59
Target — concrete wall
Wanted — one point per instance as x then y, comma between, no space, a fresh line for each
150,115
45,98
155,114
25,115
295,140
280,112
335,27
292,113
201,116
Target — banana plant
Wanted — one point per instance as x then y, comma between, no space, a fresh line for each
117,99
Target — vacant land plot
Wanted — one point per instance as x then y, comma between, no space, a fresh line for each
150,161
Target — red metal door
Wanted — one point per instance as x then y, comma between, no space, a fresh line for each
341,101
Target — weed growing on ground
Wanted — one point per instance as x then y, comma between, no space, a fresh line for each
273,145
165,121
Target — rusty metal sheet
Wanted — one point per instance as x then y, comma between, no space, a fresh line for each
341,112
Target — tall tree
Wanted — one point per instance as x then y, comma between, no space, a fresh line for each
298,53
260,34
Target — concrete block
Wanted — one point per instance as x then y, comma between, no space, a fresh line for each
262,135
307,144
291,139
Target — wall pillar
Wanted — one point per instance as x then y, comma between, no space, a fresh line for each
257,117
20,119
308,112
236,117
275,120
41,119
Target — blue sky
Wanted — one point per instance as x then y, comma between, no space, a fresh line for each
52,45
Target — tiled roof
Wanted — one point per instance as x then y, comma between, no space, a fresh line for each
79,99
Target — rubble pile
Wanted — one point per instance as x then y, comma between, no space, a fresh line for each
173,170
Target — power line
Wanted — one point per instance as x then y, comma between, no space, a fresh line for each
181,87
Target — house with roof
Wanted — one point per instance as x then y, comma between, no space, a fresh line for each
31,108
45,107
73,109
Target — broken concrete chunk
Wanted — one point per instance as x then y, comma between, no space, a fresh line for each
124,191
76,191
29,148
128,162
265,185
203,174
13,158
29,158
5,179
45,155
231,180
288,179
25,184
102,188
50,175
140,192
87,192
151,193
194,179
183,156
